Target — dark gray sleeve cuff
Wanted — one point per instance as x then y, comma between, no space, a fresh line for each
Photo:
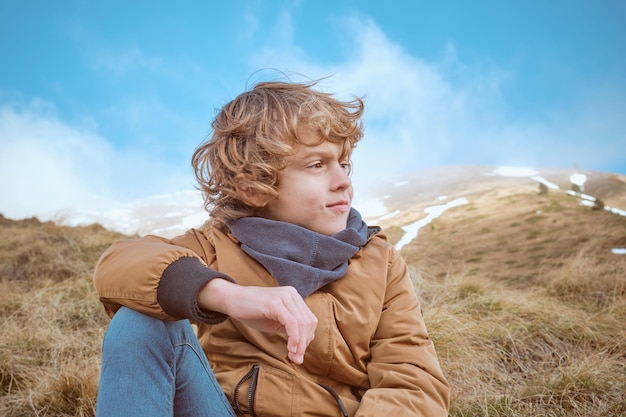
179,286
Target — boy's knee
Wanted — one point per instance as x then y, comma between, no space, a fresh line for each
130,328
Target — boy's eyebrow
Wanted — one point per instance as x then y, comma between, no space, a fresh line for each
315,154
320,153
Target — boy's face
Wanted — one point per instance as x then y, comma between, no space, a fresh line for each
315,190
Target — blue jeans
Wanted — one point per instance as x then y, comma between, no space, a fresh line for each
156,368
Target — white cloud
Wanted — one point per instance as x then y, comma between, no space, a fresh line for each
48,166
414,116
44,163
421,114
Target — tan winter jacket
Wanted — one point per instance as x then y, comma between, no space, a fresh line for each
371,355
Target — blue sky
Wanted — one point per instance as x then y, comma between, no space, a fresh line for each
105,102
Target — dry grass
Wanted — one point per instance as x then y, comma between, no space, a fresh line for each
50,319
527,353
521,331
521,294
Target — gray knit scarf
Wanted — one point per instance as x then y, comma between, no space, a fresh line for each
297,256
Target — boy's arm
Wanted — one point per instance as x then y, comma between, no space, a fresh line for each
167,279
404,371
156,276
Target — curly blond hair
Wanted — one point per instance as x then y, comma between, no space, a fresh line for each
254,134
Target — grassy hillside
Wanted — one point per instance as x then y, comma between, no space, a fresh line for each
521,293
50,319
526,303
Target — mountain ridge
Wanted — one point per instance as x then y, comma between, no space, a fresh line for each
514,227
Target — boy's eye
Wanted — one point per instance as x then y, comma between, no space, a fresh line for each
346,166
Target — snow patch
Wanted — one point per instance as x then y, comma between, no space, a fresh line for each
506,171
615,210
433,212
544,182
579,180
521,172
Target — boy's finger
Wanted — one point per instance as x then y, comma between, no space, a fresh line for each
295,346
300,326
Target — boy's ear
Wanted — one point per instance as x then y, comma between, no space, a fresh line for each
251,198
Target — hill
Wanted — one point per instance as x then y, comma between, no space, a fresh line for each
50,319
523,289
510,228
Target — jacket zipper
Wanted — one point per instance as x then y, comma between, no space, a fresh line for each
253,376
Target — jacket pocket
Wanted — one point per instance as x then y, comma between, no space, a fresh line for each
251,378
265,391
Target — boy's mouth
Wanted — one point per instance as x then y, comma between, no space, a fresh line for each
343,205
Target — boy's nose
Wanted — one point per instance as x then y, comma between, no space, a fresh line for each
341,178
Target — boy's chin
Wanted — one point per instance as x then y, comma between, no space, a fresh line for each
331,229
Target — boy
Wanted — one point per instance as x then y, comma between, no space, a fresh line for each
302,309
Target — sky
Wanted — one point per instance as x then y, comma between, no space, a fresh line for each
103,103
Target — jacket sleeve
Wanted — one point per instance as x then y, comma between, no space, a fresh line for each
404,371
156,276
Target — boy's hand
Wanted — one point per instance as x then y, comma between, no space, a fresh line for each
268,309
